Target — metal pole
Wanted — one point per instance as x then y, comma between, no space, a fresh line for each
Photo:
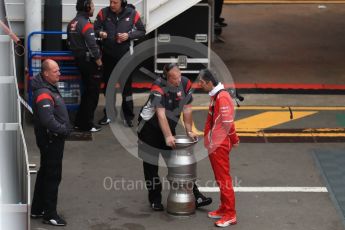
146,12
33,22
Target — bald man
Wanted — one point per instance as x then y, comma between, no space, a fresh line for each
52,126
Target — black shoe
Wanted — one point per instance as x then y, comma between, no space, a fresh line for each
157,207
218,25
218,39
104,121
128,123
221,19
38,215
56,221
95,128
218,31
201,200
223,24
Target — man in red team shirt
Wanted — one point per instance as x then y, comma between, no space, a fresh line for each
220,136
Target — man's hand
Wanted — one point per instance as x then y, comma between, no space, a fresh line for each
99,62
193,135
103,34
121,37
99,69
170,141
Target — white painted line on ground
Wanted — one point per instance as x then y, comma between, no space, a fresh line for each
268,189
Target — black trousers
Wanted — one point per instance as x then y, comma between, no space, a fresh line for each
91,81
49,175
109,63
218,7
150,155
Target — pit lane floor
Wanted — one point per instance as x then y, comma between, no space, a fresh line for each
102,186
264,44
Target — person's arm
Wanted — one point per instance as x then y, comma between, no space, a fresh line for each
98,25
139,30
45,113
164,125
226,111
188,121
88,33
187,110
207,130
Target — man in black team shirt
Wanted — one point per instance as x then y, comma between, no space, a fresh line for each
158,119
82,42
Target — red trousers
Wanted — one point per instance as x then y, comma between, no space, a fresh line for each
220,162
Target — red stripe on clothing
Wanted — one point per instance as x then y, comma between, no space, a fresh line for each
136,17
189,85
100,15
87,27
156,88
44,96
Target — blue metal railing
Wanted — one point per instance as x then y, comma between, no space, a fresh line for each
69,85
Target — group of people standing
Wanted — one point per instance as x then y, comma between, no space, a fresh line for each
116,26
170,95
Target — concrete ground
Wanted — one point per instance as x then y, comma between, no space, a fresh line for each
102,186
284,43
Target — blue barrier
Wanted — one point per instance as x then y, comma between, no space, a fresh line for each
70,82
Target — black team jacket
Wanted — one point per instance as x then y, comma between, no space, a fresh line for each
50,113
127,21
